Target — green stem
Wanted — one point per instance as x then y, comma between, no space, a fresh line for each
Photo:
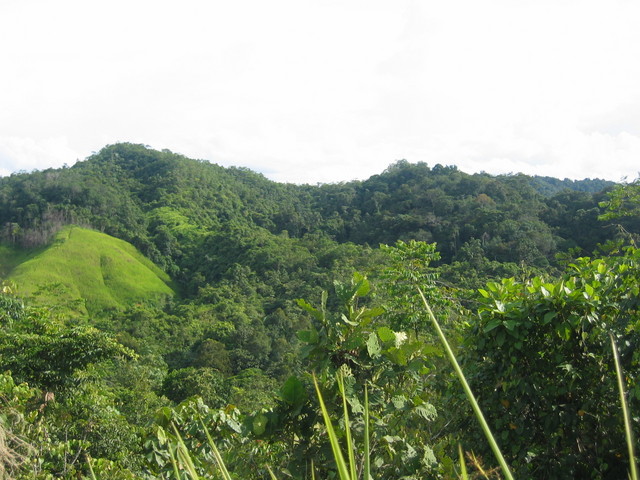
343,470
463,465
216,453
625,411
367,448
347,428
467,390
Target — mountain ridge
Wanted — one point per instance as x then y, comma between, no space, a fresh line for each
171,208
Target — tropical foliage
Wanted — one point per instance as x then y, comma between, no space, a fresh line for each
169,318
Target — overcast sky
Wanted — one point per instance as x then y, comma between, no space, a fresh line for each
327,90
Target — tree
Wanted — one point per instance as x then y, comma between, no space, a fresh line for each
623,205
205,382
356,341
410,266
624,201
45,351
542,365
70,413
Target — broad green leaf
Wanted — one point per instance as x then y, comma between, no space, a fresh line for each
161,434
308,336
548,317
386,334
354,341
510,324
347,321
309,309
373,346
491,325
374,312
259,424
397,356
293,391
363,285
588,291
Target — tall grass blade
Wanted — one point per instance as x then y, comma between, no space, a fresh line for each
463,465
367,448
625,412
271,474
174,463
467,390
93,474
343,470
184,457
347,428
216,453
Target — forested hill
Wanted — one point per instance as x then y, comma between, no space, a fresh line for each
105,358
168,205
507,214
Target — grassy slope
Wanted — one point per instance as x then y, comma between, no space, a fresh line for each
89,270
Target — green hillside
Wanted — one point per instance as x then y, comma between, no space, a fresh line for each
88,270
275,282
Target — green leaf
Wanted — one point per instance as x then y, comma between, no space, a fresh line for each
386,334
510,324
548,317
373,346
564,330
310,309
353,342
588,291
161,434
293,391
399,401
343,470
491,325
259,424
233,424
363,287
308,336
397,356
347,321
373,312
426,411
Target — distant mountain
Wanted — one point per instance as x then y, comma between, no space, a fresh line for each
87,272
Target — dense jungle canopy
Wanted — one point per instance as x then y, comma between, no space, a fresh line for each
145,294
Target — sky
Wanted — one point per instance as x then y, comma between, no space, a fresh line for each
317,91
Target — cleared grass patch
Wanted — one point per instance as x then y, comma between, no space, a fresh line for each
88,272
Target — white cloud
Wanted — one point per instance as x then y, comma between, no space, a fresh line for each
312,91
23,153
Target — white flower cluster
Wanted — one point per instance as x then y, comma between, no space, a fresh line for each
401,337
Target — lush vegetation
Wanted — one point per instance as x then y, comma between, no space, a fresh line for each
151,301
